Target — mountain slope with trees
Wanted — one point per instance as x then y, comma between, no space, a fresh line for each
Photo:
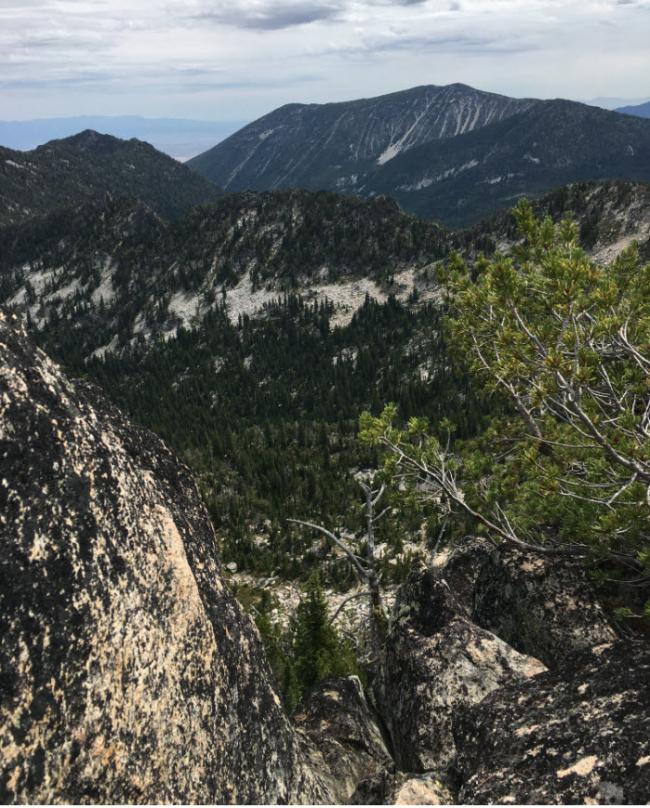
549,145
331,146
86,166
453,153
224,333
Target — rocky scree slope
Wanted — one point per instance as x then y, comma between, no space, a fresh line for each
129,673
332,146
86,166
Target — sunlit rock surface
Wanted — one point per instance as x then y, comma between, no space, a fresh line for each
580,734
128,672
436,660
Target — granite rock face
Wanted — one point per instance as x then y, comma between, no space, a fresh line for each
580,734
128,672
544,606
339,721
436,660
389,787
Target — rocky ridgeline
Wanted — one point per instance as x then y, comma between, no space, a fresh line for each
129,673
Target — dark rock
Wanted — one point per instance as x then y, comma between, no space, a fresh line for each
541,605
460,566
339,721
436,660
128,672
580,734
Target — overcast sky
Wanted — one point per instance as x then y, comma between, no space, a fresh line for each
237,59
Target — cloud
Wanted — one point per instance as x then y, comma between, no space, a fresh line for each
266,16
243,57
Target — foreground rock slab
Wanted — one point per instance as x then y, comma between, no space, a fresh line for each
436,661
580,734
336,716
128,672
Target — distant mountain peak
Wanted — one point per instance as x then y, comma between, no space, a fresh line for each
330,146
452,152
81,168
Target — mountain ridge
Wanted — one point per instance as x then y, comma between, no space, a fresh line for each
84,166
640,110
348,136
449,153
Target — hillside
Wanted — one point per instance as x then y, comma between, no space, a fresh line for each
293,324
88,165
117,267
299,310
611,216
332,146
640,110
452,154
550,145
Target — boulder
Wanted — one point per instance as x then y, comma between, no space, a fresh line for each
423,789
435,661
578,734
128,672
460,566
339,721
400,788
541,605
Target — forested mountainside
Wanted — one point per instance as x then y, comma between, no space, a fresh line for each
251,333
116,274
477,155
551,144
332,146
87,166
611,215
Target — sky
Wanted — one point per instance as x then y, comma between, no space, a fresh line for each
238,59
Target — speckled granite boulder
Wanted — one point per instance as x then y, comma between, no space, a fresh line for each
541,605
460,566
435,661
128,672
338,719
580,734
401,788
544,606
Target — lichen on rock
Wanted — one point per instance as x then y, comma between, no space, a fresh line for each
129,673
578,734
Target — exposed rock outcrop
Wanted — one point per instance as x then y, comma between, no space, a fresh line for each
129,673
338,719
400,788
435,661
580,734
544,606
